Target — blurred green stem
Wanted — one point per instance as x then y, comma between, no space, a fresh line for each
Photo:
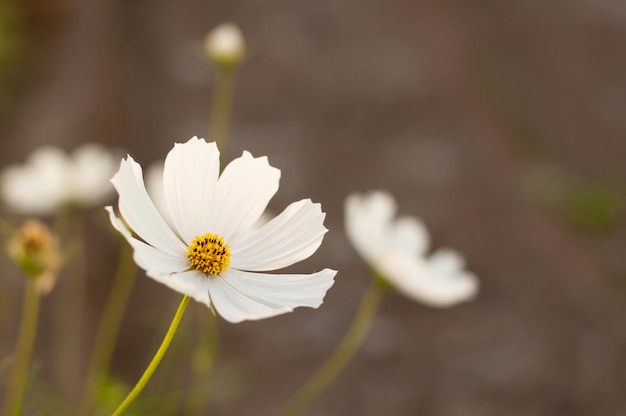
108,331
222,106
26,340
203,360
350,344
69,302
155,360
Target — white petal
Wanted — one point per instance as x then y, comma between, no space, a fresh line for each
189,180
292,236
446,261
51,178
21,192
40,186
148,257
234,306
243,191
420,280
192,283
444,291
239,295
50,166
406,235
139,212
367,218
156,192
280,290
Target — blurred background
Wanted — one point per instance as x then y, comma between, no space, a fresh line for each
500,123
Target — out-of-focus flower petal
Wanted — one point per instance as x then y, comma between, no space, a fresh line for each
396,250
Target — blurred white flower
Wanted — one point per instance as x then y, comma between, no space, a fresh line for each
52,179
225,45
396,248
209,254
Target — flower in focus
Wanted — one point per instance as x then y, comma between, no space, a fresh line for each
52,179
396,249
210,254
37,253
225,45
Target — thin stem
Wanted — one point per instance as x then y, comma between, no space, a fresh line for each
222,106
26,340
108,331
350,344
69,306
203,361
155,360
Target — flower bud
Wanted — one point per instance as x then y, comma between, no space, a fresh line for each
225,45
36,252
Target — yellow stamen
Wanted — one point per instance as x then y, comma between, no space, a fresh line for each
209,254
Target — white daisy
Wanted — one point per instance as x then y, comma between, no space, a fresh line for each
209,254
52,179
396,249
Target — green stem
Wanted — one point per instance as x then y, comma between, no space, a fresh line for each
69,307
26,340
350,344
222,106
155,360
203,361
108,331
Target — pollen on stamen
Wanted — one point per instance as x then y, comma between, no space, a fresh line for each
209,254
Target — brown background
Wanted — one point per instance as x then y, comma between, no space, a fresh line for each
464,110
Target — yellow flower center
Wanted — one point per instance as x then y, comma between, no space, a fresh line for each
209,254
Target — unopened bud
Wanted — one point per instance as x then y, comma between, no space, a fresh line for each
37,253
225,45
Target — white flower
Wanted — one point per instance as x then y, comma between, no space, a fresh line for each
209,254
225,45
396,249
52,179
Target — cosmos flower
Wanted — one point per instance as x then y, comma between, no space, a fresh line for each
396,248
225,45
209,254
51,179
